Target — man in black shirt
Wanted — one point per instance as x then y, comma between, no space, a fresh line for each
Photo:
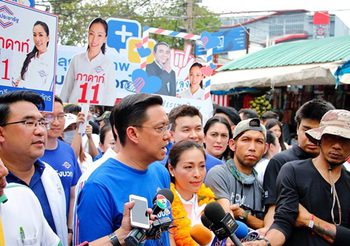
313,193
307,117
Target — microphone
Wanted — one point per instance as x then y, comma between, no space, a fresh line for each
201,234
160,201
241,232
216,214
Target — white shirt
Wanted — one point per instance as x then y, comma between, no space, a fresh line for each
93,81
260,168
39,75
22,213
199,94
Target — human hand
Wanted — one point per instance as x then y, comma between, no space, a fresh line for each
255,243
88,131
80,119
262,231
182,61
238,212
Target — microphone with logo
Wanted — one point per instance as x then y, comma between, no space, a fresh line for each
224,225
160,203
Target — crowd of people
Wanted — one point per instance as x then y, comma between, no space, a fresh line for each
66,177
51,196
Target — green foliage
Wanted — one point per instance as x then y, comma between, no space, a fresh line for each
75,15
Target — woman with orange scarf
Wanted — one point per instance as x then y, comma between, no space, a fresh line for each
186,165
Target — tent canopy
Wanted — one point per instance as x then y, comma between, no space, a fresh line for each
310,62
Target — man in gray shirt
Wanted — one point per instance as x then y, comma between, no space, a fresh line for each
235,183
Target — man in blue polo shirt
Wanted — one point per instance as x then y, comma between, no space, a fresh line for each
60,156
23,131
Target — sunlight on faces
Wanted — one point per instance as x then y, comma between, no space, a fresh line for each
303,140
20,140
216,139
97,36
248,148
56,119
188,128
189,172
152,139
276,130
40,38
335,149
108,142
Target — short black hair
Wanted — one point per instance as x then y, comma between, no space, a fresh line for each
270,139
131,111
106,128
313,110
269,115
182,111
58,99
231,113
16,96
72,108
248,113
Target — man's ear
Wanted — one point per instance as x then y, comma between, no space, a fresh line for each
232,144
132,134
267,147
2,137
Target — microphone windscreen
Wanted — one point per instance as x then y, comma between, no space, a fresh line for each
167,193
201,234
206,222
242,230
214,212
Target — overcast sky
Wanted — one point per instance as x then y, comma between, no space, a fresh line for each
339,7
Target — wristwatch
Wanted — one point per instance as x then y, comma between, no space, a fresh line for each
244,216
114,239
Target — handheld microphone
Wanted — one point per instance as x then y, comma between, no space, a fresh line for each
216,214
137,235
201,234
160,200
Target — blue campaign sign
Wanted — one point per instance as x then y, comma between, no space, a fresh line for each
120,30
230,40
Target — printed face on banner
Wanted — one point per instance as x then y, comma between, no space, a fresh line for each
27,50
142,65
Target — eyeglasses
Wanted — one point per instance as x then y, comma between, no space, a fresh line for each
161,129
51,117
31,124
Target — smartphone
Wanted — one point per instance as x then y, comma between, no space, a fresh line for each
139,217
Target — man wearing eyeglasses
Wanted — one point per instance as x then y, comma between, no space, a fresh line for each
141,124
60,156
314,193
23,131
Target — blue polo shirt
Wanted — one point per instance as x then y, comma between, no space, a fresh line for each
37,187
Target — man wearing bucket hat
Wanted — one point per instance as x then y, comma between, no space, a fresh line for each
313,193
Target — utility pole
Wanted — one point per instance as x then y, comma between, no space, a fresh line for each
189,20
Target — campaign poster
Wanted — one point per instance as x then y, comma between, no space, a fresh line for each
28,39
145,65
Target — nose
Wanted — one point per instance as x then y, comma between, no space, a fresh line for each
196,172
166,135
193,134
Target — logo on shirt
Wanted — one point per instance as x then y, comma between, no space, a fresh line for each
67,165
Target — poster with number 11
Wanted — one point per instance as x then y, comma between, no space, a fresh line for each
28,39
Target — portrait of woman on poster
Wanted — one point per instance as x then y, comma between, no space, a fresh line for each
37,69
91,75
196,77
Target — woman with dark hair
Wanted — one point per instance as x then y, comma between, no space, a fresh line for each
36,72
217,133
196,76
91,74
275,126
186,165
